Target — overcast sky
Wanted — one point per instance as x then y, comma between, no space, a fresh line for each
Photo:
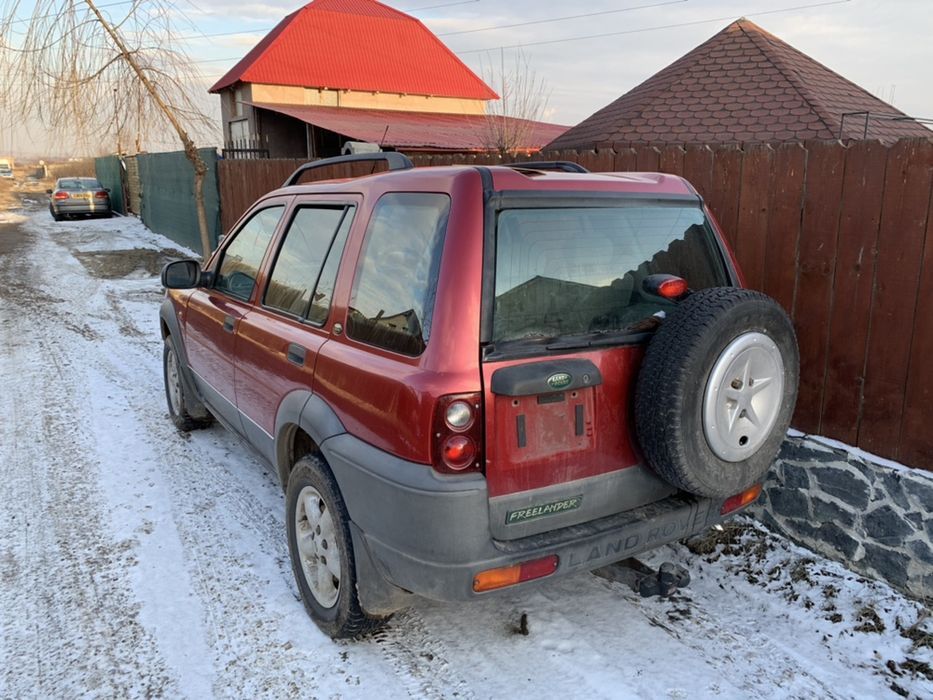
886,46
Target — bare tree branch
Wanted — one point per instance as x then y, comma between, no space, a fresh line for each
92,74
523,99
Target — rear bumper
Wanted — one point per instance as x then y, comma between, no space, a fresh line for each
430,535
82,207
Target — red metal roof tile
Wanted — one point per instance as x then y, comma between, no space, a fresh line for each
356,45
742,82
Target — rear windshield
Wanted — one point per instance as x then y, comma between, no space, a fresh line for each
79,183
565,272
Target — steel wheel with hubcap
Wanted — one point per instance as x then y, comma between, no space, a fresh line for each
320,558
186,413
322,551
743,396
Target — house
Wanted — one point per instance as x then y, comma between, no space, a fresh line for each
743,85
339,71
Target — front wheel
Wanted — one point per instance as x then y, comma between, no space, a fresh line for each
186,413
322,551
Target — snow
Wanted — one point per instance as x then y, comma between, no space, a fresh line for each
137,562
828,444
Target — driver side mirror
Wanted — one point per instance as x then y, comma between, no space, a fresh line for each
184,274
48,191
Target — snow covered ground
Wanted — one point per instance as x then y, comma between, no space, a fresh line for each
136,561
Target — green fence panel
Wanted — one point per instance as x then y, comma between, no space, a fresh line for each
167,184
109,171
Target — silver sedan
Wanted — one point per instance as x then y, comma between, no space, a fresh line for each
79,196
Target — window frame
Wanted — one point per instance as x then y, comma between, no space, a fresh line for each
347,205
221,251
360,259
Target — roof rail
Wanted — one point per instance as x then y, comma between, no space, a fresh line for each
564,166
395,161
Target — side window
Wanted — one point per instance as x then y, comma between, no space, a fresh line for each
309,241
236,274
324,292
393,295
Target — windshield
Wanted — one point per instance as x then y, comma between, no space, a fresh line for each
571,271
79,183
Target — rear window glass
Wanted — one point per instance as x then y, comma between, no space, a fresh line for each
393,296
78,183
571,271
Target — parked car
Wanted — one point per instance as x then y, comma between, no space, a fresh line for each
473,378
79,196
6,172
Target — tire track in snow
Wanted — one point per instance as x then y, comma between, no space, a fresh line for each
66,606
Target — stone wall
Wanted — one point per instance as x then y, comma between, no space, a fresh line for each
875,518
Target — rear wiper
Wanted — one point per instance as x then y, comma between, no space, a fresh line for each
600,338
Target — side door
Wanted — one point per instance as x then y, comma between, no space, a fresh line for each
214,313
278,341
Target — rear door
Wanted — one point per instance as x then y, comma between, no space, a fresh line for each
569,322
214,313
278,341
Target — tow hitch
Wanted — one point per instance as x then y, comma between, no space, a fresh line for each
644,580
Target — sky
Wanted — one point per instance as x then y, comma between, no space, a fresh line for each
884,47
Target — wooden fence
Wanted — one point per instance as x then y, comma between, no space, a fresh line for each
841,235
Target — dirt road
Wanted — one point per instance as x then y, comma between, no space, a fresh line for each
139,562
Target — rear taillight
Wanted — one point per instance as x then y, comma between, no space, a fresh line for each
100,195
458,433
60,195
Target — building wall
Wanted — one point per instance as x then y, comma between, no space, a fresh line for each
322,97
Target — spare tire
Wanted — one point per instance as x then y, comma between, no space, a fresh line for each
716,391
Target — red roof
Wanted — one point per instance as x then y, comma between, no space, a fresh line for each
742,85
413,130
356,45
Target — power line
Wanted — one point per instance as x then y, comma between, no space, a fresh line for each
562,19
608,34
56,14
651,29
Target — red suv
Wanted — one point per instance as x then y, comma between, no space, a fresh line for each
470,378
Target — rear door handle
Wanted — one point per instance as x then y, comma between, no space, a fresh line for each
229,322
296,354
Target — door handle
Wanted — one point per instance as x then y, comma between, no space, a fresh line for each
296,354
229,322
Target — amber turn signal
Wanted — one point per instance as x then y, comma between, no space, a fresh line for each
510,575
740,500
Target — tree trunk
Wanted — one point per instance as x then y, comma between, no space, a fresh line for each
191,151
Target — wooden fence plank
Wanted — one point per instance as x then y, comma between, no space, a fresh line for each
672,160
752,223
602,161
859,220
900,249
647,159
817,254
698,168
726,187
789,167
916,442
625,159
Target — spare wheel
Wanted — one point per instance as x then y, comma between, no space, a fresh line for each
716,391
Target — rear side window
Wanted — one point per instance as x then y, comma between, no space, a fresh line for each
573,271
236,274
392,302
308,243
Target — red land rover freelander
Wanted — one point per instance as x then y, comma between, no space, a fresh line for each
469,378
